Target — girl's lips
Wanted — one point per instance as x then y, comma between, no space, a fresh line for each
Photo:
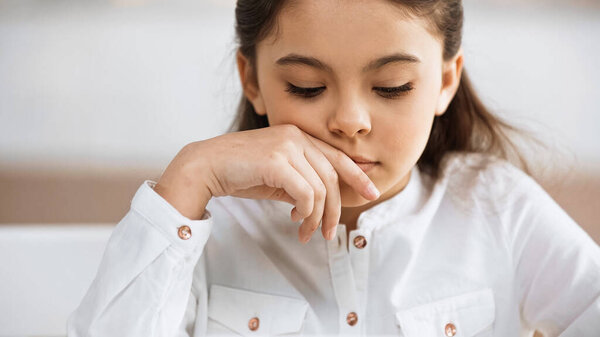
360,159
367,166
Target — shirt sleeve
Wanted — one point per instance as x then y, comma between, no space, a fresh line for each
143,284
557,267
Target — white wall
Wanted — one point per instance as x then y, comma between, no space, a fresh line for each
538,66
91,82
94,82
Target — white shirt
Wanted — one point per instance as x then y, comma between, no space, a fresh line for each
482,251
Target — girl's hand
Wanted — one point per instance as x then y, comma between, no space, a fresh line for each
280,162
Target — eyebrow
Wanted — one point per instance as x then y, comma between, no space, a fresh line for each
296,59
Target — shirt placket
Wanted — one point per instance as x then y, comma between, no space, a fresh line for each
348,272
359,257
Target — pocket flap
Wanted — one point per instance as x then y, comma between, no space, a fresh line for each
468,313
234,308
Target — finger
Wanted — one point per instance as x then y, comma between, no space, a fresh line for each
347,169
280,194
333,203
287,177
311,223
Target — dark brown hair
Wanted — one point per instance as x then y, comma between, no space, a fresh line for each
466,126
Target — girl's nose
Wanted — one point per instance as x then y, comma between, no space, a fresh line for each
350,117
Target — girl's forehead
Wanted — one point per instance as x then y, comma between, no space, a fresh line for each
349,31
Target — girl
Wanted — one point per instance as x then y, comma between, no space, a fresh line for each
357,118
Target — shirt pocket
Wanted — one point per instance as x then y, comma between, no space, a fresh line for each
246,312
467,315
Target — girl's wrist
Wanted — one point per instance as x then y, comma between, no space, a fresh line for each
189,201
183,186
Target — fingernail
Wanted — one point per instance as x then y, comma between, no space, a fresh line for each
295,216
304,238
373,190
331,234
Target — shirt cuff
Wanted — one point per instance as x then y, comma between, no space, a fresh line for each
188,235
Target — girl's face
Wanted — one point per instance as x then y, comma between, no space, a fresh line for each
377,80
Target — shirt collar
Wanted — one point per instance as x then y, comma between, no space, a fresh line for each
402,205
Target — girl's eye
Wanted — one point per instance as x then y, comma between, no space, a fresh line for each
387,92
304,92
394,92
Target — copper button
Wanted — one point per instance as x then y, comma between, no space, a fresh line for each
253,323
352,318
450,330
184,232
360,242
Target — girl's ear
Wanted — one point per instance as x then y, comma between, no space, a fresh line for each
451,74
250,83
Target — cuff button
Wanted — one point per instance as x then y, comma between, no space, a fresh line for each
253,324
450,329
184,232
352,318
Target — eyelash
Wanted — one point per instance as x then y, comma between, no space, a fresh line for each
388,92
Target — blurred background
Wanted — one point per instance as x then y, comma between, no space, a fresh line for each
97,96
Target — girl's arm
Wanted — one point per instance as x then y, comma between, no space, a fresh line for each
557,267
143,284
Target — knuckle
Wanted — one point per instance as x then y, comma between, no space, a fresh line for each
276,160
274,156
308,193
290,130
271,175
287,145
331,175
320,192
